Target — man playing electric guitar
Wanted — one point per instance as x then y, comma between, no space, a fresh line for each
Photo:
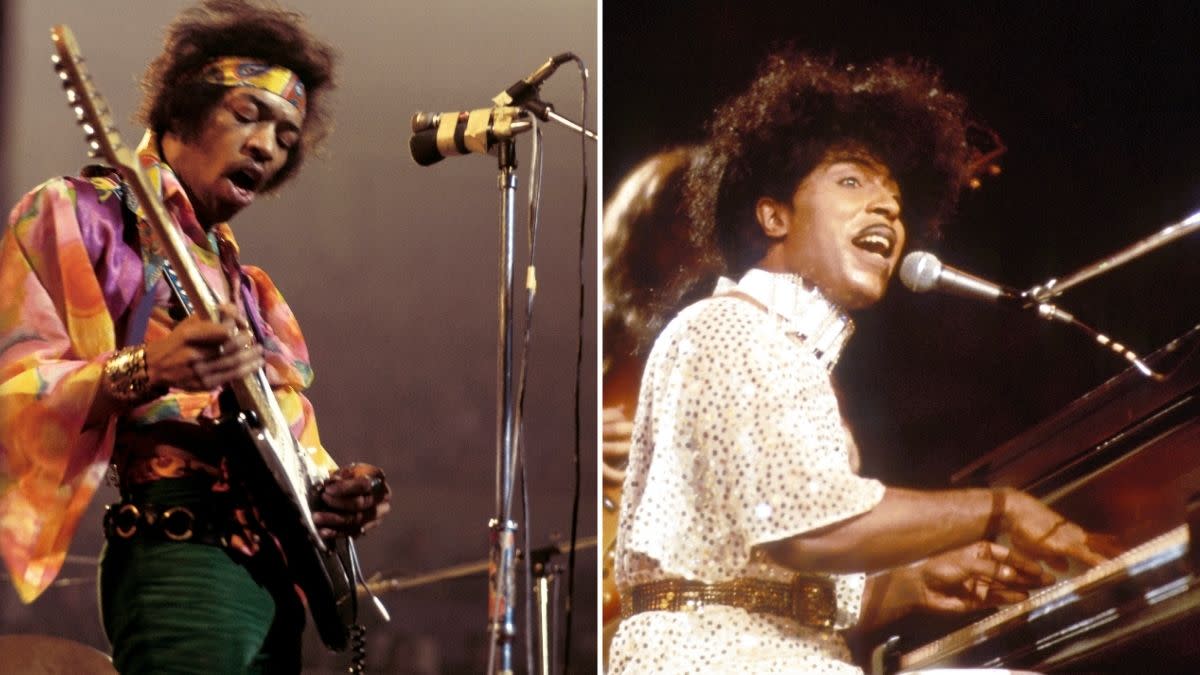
101,366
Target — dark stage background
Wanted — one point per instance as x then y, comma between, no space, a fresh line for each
1097,104
392,271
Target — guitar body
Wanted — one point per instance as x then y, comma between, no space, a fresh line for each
280,470
324,574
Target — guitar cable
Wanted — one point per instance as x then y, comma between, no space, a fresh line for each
583,76
358,649
535,197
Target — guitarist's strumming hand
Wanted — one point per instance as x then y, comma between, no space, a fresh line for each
352,501
200,355
197,355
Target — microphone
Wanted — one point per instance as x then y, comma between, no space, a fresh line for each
437,136
922,271
524,90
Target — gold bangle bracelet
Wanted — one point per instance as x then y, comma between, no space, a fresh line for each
125,375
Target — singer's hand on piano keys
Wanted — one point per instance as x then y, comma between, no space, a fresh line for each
983,574
1041,533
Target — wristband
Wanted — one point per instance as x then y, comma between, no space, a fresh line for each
125,375
996,519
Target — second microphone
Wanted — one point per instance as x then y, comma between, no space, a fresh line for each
437,136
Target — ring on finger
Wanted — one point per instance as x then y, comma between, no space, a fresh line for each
377,487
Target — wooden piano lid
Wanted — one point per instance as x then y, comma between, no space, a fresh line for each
1096,427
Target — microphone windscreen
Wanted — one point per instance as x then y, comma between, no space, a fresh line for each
920,271
424,148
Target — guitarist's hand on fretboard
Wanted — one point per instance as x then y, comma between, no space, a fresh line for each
352,501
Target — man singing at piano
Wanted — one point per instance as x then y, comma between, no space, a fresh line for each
746,534
103,373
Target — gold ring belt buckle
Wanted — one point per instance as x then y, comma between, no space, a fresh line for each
177,523
125,523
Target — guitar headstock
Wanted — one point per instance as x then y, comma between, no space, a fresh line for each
91,110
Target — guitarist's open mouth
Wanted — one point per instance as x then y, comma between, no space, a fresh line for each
245,182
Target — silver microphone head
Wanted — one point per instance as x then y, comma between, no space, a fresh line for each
920,271
424,120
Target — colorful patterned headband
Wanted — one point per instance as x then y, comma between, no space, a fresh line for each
237,71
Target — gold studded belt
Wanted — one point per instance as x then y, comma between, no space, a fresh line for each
809,601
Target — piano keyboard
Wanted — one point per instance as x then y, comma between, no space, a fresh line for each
1153,553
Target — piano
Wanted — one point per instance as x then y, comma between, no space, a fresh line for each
1123,459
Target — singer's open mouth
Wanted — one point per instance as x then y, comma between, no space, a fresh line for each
877,239
247,177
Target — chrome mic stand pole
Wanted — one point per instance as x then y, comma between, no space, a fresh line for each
1168,234
502,555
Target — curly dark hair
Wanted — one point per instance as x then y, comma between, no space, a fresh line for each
652,267
176,100
764,141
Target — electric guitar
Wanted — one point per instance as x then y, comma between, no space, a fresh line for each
283,471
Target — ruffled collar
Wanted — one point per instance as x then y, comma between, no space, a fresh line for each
163,180
799,308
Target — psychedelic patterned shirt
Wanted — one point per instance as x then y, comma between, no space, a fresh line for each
71,277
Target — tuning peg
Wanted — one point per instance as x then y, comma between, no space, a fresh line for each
79,112
56,60
72,95
88,129
95,146
62,75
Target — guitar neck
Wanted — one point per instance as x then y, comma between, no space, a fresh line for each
174,246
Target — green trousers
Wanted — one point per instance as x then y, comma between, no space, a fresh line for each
172,607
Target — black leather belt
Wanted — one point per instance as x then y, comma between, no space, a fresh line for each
128,520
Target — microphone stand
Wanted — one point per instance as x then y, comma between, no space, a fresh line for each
1168,234
502,553
1038,295
496,131
545,112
